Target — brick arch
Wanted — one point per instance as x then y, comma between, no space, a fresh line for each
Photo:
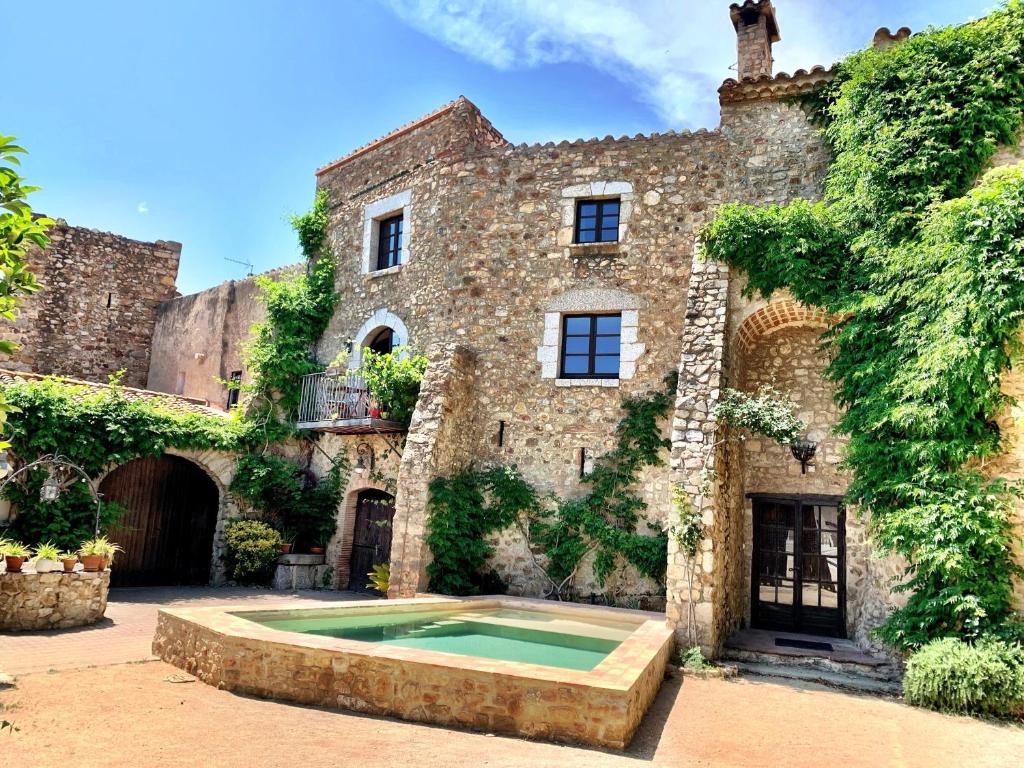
346,529
786,313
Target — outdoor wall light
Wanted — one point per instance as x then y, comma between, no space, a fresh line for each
803,451
364,458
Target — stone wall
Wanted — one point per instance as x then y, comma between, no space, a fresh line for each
97,310
33,601
439,442
199,339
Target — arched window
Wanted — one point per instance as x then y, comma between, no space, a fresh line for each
382,341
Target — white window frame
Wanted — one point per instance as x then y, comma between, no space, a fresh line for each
373,214
591,301
595,190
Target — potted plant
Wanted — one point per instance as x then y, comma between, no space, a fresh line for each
97,554
15,554
318,548
287,541
69,560
46,557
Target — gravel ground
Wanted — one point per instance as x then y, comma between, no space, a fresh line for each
129,715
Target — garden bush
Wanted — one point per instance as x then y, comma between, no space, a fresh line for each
983,678
253,549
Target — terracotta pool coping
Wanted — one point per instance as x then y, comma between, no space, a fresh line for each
616,672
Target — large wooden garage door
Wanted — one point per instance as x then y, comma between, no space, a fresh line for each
167,531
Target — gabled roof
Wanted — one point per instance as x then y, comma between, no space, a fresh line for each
430,117
176,403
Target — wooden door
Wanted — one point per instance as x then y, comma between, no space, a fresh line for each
371,540
167,529
799,566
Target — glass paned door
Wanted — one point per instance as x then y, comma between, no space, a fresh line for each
798,566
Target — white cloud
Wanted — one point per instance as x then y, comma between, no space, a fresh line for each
142,207
674,53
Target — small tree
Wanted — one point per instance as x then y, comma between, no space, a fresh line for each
20,229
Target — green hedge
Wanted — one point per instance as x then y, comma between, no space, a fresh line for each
985,678
253,549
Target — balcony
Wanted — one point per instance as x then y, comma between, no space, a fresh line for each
340,403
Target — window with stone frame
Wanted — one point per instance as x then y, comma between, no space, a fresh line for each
591,346
389,242
597,221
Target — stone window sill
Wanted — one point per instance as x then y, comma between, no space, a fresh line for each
586,382
382,272
595,249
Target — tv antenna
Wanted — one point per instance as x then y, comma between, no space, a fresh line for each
248,264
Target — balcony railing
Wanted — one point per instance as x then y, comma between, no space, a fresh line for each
341,403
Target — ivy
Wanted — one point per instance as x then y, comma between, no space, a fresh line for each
95,429
925,263
299,306
466,507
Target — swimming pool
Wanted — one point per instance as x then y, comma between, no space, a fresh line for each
550,670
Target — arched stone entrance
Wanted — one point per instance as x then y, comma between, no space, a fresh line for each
168,528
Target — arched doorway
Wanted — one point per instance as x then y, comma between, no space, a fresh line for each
371,537
382,341
167,529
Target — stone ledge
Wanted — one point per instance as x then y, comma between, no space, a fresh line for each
586,382
57,600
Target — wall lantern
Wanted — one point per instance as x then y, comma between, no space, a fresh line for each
364,458
61,472
803,451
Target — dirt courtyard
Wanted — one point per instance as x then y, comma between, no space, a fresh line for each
129,715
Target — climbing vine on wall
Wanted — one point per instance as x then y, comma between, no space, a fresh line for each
925,264
468,506
95,429
299,305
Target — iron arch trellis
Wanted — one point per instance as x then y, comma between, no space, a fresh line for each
52,486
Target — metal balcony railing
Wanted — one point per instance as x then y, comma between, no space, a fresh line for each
335,402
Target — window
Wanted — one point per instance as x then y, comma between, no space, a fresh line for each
597,221
389,243
382,342
235,389
590,346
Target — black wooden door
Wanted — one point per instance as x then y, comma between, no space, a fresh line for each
371,540
799,568
167,529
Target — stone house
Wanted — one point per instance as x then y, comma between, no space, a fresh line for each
545,283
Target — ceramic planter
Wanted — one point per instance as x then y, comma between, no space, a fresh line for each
69,565
14,563
46,566
92,563
286,549
316,550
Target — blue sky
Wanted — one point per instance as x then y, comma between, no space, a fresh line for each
202,121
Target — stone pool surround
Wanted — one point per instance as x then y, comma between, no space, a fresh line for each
602,707
55,600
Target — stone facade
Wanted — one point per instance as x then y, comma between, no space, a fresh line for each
32,601
97,309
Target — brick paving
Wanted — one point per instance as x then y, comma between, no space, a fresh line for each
126,632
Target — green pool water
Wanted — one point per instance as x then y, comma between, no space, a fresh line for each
508,635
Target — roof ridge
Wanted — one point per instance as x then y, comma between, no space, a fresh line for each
400,131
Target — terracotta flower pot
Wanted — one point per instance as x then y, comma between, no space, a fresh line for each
316,550
69,565
286,549
14,563
92,563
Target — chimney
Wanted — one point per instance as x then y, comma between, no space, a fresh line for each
756,30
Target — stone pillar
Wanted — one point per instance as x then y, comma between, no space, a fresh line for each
756,30
694,430
440,442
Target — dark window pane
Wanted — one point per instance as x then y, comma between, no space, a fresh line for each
578,345
577,325
609,235
606,345
588,209
610,207
606,364
587,236
609,323
575,364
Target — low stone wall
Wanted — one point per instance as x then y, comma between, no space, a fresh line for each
301,572
51,600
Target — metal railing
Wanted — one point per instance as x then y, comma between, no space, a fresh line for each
333,397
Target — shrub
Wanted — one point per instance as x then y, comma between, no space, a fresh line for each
394,380
985,678
253,549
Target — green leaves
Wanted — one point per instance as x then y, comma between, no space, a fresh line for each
929,274
394,380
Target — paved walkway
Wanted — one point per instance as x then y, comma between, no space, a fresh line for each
126,632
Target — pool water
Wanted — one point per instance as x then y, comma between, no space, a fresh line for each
533,637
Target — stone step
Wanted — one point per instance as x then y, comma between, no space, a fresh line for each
811,674
870,668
